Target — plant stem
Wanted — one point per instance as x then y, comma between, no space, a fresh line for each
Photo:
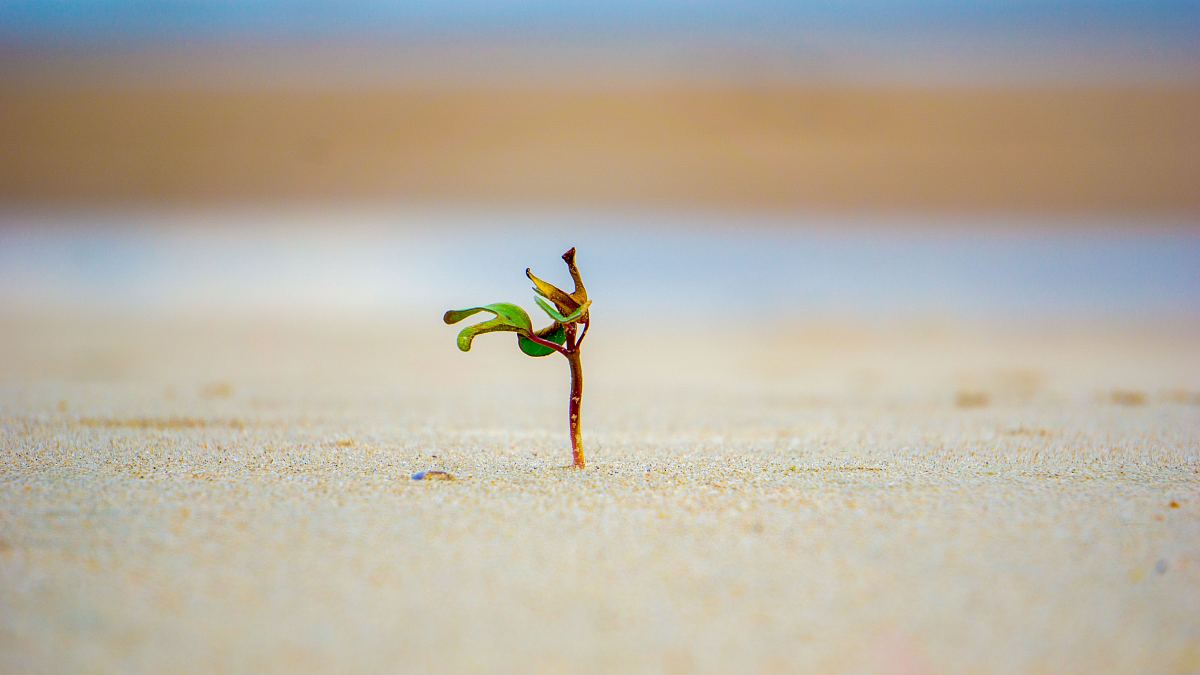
573,408
545,343
572,354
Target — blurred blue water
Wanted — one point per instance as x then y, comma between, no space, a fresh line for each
636,265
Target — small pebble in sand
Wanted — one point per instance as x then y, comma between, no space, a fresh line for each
433,475
217,390
1160,566
1174,504
1128,397
971,399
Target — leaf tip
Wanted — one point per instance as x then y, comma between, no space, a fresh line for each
464,341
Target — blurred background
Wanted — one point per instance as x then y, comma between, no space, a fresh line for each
732,164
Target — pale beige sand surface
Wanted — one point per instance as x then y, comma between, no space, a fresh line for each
199,496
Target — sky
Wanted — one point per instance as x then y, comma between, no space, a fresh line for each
889,40
132,20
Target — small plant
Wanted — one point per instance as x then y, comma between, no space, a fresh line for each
567,311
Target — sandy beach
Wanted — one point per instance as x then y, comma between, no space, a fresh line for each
892,361
1078,150
198,495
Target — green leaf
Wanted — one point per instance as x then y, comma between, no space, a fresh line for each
555,333
509,317
559,318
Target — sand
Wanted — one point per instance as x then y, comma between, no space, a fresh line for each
1064,150
199,496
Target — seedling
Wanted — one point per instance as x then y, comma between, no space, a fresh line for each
567,312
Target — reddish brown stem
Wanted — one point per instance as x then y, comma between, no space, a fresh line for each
545,343
573,409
